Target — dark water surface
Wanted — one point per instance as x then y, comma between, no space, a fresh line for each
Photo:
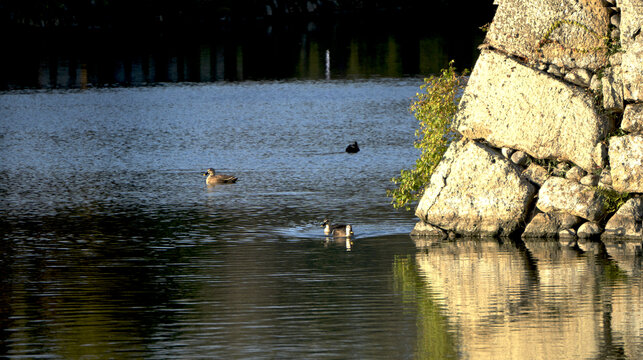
114,247
344,48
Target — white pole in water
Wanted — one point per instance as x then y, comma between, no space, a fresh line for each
327,64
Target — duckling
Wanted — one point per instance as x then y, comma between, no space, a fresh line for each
213,179
352,148
337,230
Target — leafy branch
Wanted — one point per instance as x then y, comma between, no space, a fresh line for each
434,107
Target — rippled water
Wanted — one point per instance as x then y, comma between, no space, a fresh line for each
114,247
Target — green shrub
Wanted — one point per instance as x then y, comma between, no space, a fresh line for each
434,107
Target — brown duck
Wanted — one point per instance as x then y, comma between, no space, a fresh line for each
213,179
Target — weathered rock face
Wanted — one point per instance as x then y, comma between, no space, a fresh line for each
588,230
423,229
626,223
558,194
542,226
565,33
548,225
633,118
475,191
626,160
612,85
600,155
511,105
632,43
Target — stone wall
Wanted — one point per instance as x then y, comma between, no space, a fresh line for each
552,127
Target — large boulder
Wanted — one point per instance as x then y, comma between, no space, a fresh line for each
512,105
559,194
626,161
475,191
565,33
626,223
632,43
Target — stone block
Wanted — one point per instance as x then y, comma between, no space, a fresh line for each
612,86
558,194
632,44
631,21
548,225
565,33
511,105
542,226
600,155
632,70
626,222
589,229
475,191
633,118
626,162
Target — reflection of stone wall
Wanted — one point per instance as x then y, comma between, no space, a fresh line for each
556,91
544,301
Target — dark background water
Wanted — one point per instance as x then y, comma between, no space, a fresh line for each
351,45
114,247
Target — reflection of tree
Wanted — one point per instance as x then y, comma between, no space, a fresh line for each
435,339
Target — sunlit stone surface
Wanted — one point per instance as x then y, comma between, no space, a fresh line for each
512,105
534,30
475,191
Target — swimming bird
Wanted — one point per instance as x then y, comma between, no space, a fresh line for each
352,148
213,179
337,230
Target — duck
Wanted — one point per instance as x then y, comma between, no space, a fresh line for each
213,179
352,148
338,230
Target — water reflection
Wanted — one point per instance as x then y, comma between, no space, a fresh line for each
322,50
346,242
147,298
493,299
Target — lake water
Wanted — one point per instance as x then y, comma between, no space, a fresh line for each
114,247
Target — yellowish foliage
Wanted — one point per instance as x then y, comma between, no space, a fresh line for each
434,107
